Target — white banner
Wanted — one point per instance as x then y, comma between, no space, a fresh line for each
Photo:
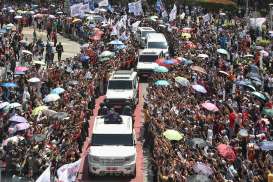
68,172
131,7
173,13
45,176
135,7
75,10
103,3
84,8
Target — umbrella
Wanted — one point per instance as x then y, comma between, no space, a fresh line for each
34,80
167,62
13,140
203,56
22,126
26,52
39,137
199,69
224,73
38,62
18,17
10,25
210,106
76,20
14,105
173,135
197,142
162,83
202,168
116,42
119,47
268,112
184,61
259,95
3,105
8,84
38,110
85,46
248,56
222,51
73,82
186,35
18,119
107,54
264,53
161,69
226,151
198,178
182,81
85,58
49,112
51,98
21,68
51,16
60,115
199,88
57,90
266,145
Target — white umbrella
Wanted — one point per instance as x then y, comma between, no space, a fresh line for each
27,52
248,56
34,80
51,98
203,56
222,51
18,17
11,11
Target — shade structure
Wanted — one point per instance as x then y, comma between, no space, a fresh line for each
21,68
210,106
161,69
182,81
57,90
162,83
198,178
51,98
39,110
259,95
197,142
198,69
199,88
173,135
34,80
226,151
116,42
8,84
167,62
202,168
266,145
21,126
222,51
18,119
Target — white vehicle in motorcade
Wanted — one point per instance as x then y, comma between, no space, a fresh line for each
147,61
142,33
113,149
157,41
122,89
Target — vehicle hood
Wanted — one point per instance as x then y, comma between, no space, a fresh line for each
146,65
119,94
112,151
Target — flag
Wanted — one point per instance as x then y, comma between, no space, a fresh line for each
45,176
159,6
135,26
103,3
173,13
164,14
136,8
68,172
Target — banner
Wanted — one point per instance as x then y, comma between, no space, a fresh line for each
75,10
103,3
206,18
173,13
159,6
135,7
68,172
45,176
84,8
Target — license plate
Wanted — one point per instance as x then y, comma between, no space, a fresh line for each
111,168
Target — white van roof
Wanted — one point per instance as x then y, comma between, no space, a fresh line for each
125,127
156,37
145,29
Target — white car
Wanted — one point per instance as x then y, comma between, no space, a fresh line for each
147,61
157,41
141,34
112,148
122,89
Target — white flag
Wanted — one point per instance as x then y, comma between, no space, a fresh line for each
103,3
173,13
68,172
138,8
135,26
164,14
45,176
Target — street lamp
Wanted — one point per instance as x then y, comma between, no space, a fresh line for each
271,14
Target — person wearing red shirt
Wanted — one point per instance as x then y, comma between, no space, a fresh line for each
232,117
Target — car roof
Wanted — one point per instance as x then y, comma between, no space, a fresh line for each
146,29
156,37
100,127
123,75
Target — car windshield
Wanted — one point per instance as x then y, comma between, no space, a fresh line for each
112,139
157,45
145,33
147,58
120,85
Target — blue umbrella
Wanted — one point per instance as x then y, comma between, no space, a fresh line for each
199,88
169,61
162,83
243,82
8,84
186,61
85,58
161,69
116,42
57,90
266,145
119,47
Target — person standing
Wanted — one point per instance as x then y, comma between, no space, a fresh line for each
60,50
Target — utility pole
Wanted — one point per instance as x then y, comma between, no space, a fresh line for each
271,15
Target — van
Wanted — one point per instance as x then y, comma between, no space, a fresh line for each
142,33
157,41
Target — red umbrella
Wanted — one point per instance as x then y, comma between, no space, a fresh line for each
227,152
167,62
